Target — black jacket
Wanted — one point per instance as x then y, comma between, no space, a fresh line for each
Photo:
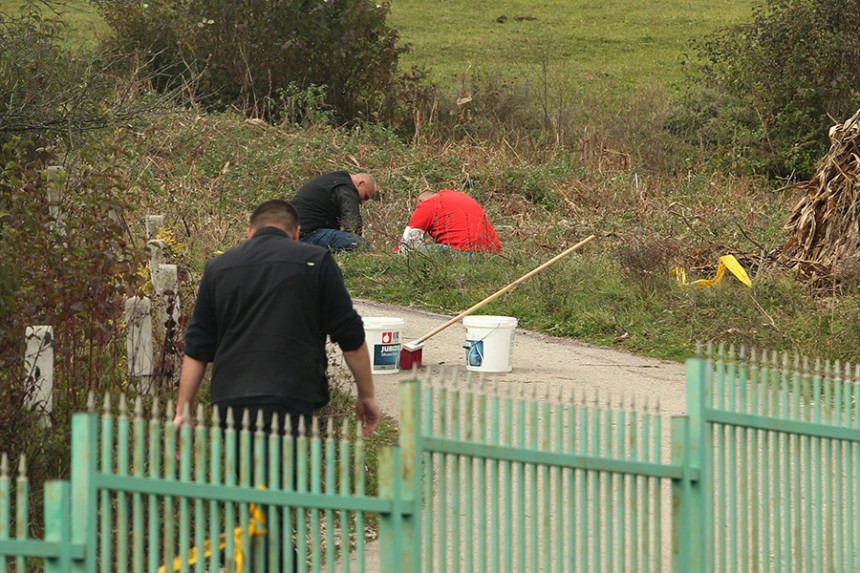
329,201
262,315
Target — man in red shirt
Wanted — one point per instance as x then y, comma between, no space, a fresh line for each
452,219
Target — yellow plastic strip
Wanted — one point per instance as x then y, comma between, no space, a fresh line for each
726,262
254,529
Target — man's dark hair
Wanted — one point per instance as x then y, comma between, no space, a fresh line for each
275,212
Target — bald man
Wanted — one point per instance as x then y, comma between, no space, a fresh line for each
328,207
453,220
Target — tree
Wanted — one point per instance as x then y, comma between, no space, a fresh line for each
767,91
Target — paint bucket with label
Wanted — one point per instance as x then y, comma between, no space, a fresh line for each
383,341
489,343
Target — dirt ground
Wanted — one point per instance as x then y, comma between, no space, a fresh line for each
551,363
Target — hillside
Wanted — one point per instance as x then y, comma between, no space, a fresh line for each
597,47
600,48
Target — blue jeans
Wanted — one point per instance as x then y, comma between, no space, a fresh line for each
336,240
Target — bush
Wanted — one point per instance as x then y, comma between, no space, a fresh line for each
57,96
34,73
765,93
71,272
256,54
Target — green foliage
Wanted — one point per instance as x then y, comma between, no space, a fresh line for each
269,57
768,91
34,72
71,272
302,106
54,94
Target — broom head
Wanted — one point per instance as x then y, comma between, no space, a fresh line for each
410,358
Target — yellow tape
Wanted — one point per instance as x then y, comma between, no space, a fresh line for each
254,530
726,262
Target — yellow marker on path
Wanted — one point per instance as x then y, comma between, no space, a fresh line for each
726,262
254,529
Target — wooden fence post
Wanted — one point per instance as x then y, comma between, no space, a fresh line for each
39,366
139,341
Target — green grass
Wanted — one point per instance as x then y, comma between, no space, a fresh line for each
615,46
603,47
82,25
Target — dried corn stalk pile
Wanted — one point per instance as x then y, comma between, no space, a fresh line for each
825,222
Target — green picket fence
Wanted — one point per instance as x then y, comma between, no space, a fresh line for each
760,475
781,459
521,483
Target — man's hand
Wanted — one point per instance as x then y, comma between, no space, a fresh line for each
367,411
366,408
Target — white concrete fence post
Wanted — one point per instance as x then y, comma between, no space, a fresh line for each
156,260
165,283
39,367
55,198
139,341
154,223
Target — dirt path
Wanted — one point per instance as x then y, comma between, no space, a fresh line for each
546,364
549,362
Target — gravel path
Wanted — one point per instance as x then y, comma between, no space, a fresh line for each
546,361
546,364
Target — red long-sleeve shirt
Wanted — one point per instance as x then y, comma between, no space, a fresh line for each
453,218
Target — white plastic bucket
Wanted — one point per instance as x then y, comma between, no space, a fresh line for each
490,343
383,341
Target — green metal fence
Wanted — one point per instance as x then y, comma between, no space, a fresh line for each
760,475
514,482
781,448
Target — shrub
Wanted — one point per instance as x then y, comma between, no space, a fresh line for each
765,93
253,54
55,95
72,273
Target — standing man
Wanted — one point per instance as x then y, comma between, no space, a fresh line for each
262,315
454,220
329,209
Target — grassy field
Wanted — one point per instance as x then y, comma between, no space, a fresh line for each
613,46
83,26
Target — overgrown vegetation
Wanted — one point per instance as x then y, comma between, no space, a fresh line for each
549,165
768,90
258,55
67,261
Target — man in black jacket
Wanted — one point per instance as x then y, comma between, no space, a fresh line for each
328,206
262,315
